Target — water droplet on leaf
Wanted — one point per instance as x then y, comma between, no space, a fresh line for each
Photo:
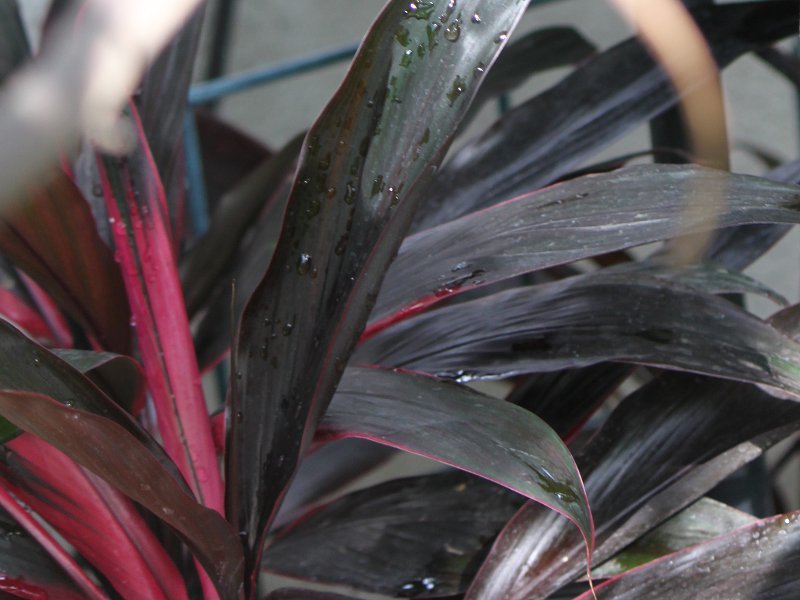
453,31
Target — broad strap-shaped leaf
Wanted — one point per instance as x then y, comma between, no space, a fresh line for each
537,142
109,451
365,165
585,320
120,377
696,523
537,51
566,399
327,470
48,543
755,561
463,428
577,219
27,366
664,446
51,235
100,522
415,537
208,264
137,209
25,566
162,105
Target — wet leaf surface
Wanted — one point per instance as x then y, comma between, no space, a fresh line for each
585,320
573,220
421,537
696,523
457,426
366,162
542,139
112,453
663,447
756,561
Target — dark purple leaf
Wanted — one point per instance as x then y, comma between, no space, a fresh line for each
696,523
228,155
51,235
54,549
109,451
208,264
422,537
738,247
537,142
666,445
120,377
755,561
97,520
457,426
24,563
327,470
162,105
576,219
29,367
565,399
585,320
365,166
539,50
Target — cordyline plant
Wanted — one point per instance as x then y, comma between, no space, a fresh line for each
359,281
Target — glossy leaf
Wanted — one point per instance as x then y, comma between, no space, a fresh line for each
137,209
755,561
457,426
540,140
664,446
97,520
120,377
422,536
696,523
565,399
328,469
537,51
24,565
51,235
576,219
585,320
209,260
365,166
27,366
112,453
